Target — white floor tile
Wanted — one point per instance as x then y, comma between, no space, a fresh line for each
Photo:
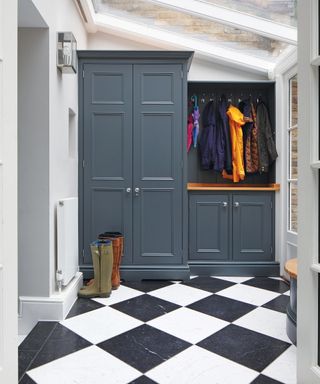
21,338
247,294
101,324
284,367
188,324
233,279
89,366
287,293
120,294
195,365
266,321
180,294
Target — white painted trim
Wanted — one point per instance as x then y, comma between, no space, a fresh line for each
235,19
136,31
287,60
315,268
308,196
316,61
54,308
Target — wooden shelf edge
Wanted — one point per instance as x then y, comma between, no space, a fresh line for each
228,187
291,266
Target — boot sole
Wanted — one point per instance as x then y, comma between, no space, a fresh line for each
91,296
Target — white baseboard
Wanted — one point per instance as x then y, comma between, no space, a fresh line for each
54,308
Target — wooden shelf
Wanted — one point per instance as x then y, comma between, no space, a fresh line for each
232,187
291,267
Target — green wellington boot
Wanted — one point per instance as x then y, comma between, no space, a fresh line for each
106,263
94,289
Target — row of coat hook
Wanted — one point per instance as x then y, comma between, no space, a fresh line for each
206,97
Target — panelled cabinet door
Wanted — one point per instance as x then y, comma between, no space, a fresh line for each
107,150
157,160
209,229
252,227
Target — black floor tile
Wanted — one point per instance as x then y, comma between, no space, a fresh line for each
269,284
278,304
26,380
145,307
82,306
209,284
147,285
261,379
39,334
25,359
246,347
143,380
144,347
61,342
222,307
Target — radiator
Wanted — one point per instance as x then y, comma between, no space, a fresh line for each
67,239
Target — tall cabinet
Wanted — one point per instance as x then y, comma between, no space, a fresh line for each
132,153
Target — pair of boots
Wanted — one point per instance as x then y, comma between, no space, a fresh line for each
117,246
117,250
102,258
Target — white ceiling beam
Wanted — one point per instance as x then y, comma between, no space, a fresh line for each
86,10
235,19
165,39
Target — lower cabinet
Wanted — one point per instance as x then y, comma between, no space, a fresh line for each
231,227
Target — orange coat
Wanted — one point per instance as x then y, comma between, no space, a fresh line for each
236,121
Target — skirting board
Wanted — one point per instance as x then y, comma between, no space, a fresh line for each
147,272
235,268
54,308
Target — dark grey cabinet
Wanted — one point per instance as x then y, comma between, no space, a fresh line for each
209,222
252,227
131,152
231,227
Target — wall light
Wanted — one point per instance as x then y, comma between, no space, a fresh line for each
66,52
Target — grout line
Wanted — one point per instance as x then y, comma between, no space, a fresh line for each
40,349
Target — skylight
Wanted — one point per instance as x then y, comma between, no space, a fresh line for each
252,34
280,11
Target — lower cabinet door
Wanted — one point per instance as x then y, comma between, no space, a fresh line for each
209,227
252,222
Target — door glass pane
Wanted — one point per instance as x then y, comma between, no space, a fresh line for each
293,101
293,212
293,145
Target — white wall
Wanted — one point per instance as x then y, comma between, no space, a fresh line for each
8,192
47,171
61,15
200,69
33,161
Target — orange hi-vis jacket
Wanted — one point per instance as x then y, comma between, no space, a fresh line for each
236,120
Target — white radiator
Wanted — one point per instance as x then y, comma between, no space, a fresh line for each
67,239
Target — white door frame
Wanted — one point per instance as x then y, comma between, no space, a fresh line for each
308,194
8,192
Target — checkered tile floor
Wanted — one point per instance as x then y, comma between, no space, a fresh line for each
208,330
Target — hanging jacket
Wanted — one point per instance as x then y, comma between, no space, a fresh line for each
196,117
267,148
207,140
250,137
236,121
189,131
223,137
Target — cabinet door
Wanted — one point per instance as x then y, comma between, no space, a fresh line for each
252,227
107,154
157,164
209,227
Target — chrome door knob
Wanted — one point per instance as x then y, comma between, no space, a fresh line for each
137,191
236,204
128,190
224,204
